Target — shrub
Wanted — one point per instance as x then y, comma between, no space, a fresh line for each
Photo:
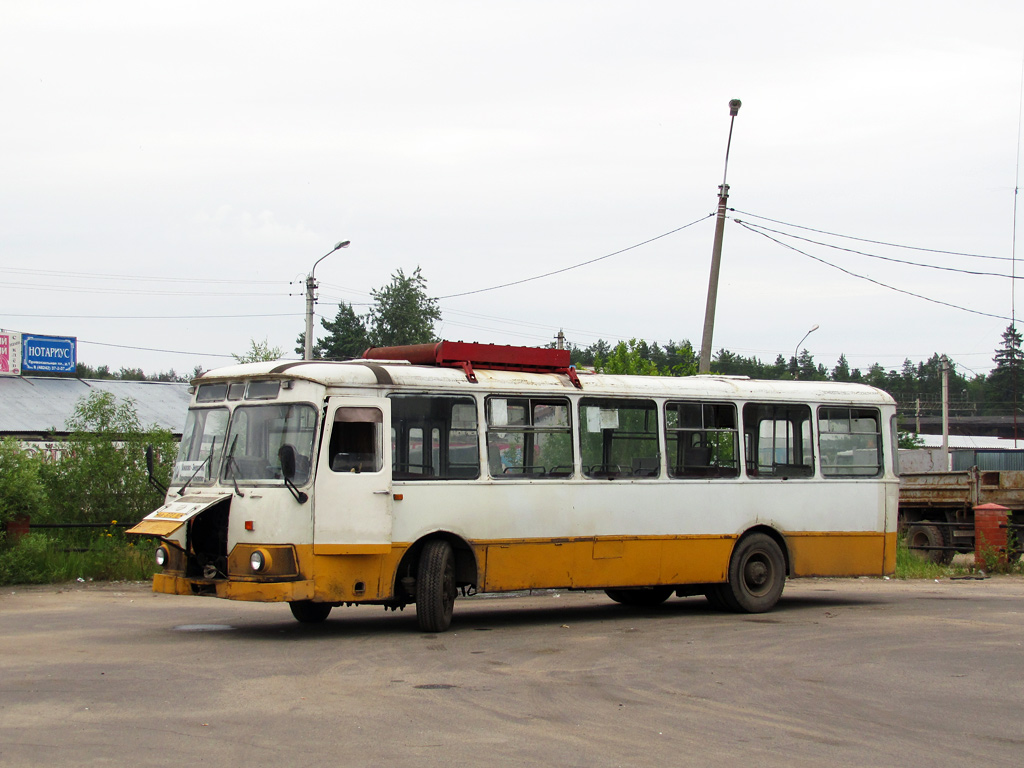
102,475
40,558
21,489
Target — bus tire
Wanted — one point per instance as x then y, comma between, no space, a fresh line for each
435,586
644,597
309,612
716,597
757,575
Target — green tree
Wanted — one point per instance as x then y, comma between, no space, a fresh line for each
21,490
627,359
842,370
259,352
1003,383
402,312
346,337
102,476
131,374
85,371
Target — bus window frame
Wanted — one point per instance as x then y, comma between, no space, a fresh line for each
430,441
641,467
800,467
529,432
834,470
709,469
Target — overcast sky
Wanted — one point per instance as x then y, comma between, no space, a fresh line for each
170,172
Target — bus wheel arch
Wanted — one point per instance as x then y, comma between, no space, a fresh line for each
421,578
757,571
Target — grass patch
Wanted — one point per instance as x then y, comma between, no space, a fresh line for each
43,558
911,565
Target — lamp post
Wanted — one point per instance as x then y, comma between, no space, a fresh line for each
716,253
307,353
796,352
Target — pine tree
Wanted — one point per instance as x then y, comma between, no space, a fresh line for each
346,336
402,312
1004,380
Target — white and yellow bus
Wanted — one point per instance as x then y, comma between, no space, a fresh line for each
420,473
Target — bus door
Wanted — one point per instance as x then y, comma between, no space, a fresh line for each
352,503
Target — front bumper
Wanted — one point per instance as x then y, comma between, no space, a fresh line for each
262,592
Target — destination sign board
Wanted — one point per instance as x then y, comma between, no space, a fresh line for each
57,354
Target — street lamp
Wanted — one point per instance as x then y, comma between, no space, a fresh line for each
307,353
716,253
796,352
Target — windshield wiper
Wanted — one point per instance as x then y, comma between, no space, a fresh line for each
229,462
207,460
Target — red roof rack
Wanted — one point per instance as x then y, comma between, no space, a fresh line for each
467,355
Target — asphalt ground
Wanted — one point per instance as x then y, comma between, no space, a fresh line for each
857,672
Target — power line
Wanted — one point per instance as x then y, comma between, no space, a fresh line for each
876,256
868,279
130,291
575,266
150,349
873,242
109,276
147,317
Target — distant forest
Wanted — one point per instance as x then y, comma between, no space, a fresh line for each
917,387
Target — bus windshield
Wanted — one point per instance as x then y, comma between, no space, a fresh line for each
202,442
255,439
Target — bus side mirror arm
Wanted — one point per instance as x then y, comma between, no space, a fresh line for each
149,469
286,454
300,496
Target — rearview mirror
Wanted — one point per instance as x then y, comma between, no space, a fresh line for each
286,454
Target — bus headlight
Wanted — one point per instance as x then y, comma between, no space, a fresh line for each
161,556
260,561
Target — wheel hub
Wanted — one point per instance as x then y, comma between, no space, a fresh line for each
757,573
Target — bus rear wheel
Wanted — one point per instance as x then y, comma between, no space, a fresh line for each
757,575
644,597
435,587
309,612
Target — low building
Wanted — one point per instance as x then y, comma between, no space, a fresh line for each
35,409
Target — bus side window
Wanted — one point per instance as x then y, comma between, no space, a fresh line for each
356,440
778,440
702,439
529,437
850,442
434,437
619,437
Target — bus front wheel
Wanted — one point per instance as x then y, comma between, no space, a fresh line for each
309,612
435,587
757,574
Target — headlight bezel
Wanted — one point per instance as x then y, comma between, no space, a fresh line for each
260,561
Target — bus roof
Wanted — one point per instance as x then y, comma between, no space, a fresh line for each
398,375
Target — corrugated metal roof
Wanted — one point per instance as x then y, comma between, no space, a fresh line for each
969,441
35,405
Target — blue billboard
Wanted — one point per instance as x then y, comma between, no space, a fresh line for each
57,354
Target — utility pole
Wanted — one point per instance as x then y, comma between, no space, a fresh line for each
307,352
945,410
716,253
